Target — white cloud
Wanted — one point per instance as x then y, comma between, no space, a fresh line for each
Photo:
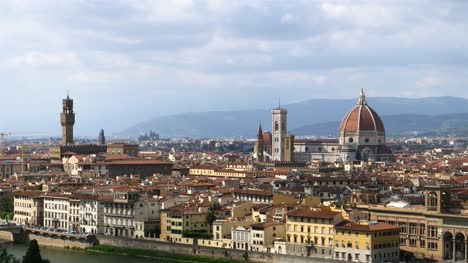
85,77
429,82
35,58
167,11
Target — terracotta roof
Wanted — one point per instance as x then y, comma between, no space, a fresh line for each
346,225
313,214
253,192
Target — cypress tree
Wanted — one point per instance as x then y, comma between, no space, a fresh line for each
33,255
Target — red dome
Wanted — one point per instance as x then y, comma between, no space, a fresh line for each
267,138
362,118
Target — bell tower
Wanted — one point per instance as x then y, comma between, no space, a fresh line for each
260,145
67,119
437,198
280,130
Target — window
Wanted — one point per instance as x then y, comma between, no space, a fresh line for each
422,243
422,229
432,245
350,139
412,242
402,241
432,231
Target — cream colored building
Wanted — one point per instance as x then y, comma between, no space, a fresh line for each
263,235
29,208
119,213
91,215
57,212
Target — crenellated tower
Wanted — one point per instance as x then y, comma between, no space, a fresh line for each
67,119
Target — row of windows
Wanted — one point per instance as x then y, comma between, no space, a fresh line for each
56,206
119,221
308,240
22,204
309,220
414,228
56,215
316,229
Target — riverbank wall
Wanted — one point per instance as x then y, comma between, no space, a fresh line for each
58,242
7,235
203,251
21,236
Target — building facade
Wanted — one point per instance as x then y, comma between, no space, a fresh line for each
436,231
310,232
367,242
29,208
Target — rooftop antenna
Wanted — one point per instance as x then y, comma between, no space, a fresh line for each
68,94
279,103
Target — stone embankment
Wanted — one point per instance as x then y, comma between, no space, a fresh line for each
203,251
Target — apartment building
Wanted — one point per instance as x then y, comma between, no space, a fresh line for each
263,235
57,212
91,215
29,208
119,213
367,242
176,221
309,232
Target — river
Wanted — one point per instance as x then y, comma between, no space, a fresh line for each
62,255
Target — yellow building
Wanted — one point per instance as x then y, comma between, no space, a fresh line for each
175,223
310,232
367,242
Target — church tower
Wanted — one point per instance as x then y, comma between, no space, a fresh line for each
259,145
279,132
101,138
67,119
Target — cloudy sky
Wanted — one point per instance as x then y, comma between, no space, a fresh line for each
125,61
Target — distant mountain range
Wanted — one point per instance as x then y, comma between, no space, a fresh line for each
401,125
320,117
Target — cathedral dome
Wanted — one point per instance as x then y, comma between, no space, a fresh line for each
361,118
267,138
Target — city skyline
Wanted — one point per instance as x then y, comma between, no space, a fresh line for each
159,59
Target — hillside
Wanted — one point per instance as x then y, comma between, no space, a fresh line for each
324,113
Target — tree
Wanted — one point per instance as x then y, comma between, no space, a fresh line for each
5,257
6,203
210,218
33,255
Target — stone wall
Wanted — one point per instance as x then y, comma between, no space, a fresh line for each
58,242
203,251
6,235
